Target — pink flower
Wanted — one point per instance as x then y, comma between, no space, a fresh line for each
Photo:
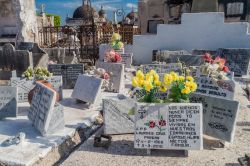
207,58
118,57
151,124
220,61
225,69
106,76
162,123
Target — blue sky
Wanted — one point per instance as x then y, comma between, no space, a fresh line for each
64,7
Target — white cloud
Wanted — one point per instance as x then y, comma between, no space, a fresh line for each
131,5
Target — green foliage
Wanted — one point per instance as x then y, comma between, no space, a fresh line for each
38,73
57,19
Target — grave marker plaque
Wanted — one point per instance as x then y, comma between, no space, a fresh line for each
219,116
45,114
173,126
162,55
69,73
117,74
118,116
127,59
8,102
162,68
88,89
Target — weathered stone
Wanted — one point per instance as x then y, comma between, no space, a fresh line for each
162,68
219,116
117,74
168,126
119,116
127,59
202,52
224,89
88,89
69,73
45,114
8,102
238,60
163,55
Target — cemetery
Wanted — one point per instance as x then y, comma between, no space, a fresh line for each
178,96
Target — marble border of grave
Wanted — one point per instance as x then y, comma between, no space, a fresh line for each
117,74
127,59
119,116
46,115
8,102
169,126
88,89
219,116
69,73
25,85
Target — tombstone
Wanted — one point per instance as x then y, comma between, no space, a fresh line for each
238,60
202,52
88,89
168,126
163,55
25,85
219,116
118,116
223,89
162,68
69,73
117,74
199,6
8,102
45,114
127,59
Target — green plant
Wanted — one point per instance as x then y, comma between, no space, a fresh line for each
57,19
38,73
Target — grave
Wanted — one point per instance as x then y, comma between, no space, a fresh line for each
8,102
127,59
163,55
172,126
203,51
69,73
162,68
117,74
45,114
88,89
224,89
25,86
219,116
119,116
238,60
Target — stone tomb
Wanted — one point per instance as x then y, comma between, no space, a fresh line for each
117,74
8,102
219,116
223,89
69,73
46,115
118,116
238,60
173,126
161,55
127,59
25,86
162,68
88,89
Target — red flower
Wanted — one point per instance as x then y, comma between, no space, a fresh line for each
220,61
106,76
118,57
225,69
151,124
207,57
162,123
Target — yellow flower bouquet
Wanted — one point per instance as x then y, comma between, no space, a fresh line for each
178,87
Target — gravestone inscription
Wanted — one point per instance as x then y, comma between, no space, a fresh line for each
162,68
69,73
45,114
173,126
118,116
202,52
163,55
88,89
219,116
117,74
127,59
8,102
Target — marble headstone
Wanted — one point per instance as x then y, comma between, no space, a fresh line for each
238,60
127,59
117,74
219,116
162,55
69,73
88,89
162,68
202,52
118,116
8,102
173,126
45,114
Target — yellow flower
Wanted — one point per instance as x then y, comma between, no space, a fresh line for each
189,78
116,37
156,77
149,77
186,90
135,82
181,78
174,75
193,86
152,72
148,86
168,79
140,74
157,83
188,84
163,88
141,82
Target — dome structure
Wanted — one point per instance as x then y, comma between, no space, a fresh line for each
102,12
132,15
84,12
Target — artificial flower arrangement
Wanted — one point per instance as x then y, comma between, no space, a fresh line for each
177,86
215,68
112,56
116,42
38,73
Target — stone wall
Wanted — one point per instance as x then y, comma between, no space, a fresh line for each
197,31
